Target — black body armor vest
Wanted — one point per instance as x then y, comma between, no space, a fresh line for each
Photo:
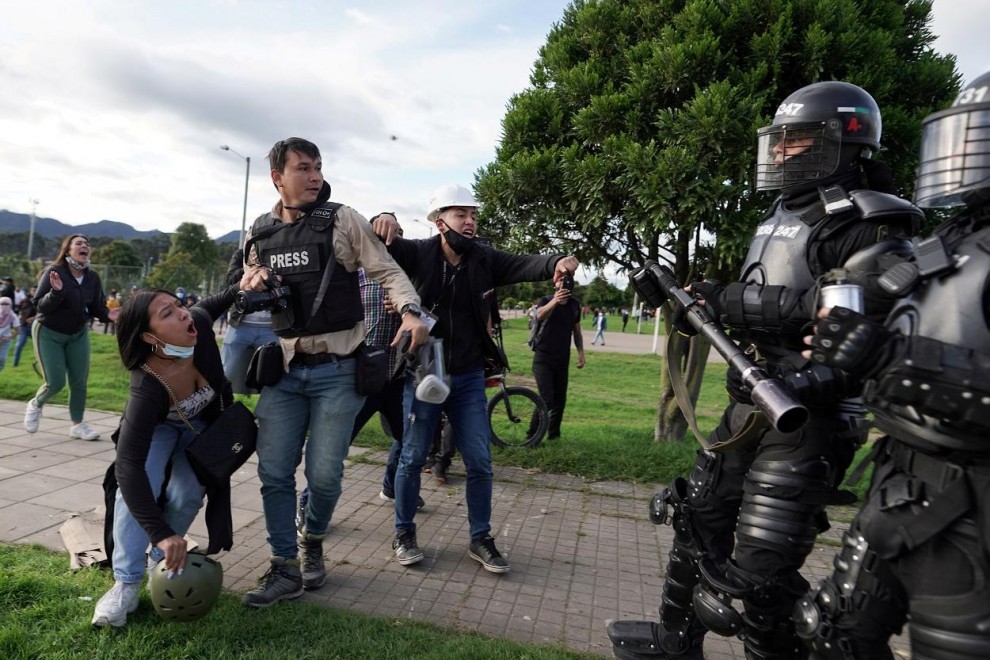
779,255
300,252
936,393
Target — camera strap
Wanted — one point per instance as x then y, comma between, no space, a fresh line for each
271,230
268,231
331,261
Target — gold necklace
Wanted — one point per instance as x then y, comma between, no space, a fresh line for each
172,397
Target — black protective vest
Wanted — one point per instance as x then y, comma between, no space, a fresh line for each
937,392
779,255
785,248
300,252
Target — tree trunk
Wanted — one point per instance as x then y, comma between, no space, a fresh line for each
671,426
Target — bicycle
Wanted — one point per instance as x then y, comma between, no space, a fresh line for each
517,415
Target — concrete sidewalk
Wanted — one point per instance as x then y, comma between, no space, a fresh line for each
581,552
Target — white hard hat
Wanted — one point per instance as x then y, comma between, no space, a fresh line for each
447,195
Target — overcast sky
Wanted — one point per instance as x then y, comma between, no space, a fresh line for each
116,110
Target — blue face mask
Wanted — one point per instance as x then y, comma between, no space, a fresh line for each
177,352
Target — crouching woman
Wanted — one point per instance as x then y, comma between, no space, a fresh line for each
177,382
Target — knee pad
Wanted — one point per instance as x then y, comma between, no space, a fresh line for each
783,504
784,526
713,601
853,612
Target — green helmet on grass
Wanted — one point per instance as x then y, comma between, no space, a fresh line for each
189,596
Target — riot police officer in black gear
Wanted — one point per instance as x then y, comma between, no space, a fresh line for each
771,488
920,546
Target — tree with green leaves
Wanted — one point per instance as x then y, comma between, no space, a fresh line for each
175,270
116,253
191,239
636,139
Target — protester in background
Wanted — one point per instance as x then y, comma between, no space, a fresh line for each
69,295
625,319
177,388
113,302
600,323
26,313
558,318
8,290
8,327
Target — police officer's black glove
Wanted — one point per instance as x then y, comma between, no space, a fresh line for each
818,384
849,341
680,323
713,293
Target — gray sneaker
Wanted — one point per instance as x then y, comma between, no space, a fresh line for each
114,606
314,572
282,581
406,550
483,550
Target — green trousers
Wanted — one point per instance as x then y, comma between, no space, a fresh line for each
63,356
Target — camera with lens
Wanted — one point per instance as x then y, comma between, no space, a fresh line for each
274,296
567,281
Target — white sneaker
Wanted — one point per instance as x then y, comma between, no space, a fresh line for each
81,431
32,416
112,609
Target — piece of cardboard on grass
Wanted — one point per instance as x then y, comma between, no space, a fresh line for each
82,535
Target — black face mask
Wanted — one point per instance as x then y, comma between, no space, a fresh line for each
459,243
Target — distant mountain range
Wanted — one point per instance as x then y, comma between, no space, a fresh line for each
13,223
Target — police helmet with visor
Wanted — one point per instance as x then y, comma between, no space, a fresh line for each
817,132
954,166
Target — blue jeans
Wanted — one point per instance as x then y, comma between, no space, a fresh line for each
391,465
4,349
22,338
323,401
238,346
467,410
183,494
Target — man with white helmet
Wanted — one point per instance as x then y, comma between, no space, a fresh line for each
455,276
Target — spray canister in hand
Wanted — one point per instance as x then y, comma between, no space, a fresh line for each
838,291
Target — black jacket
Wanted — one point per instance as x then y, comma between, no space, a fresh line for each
485,268
147,406
68,310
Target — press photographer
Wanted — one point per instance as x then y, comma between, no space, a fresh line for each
301,262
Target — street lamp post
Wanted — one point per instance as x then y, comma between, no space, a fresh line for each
247,176
34,215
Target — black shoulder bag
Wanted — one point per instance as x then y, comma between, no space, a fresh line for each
220,450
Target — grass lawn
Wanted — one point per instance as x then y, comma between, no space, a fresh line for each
45,610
